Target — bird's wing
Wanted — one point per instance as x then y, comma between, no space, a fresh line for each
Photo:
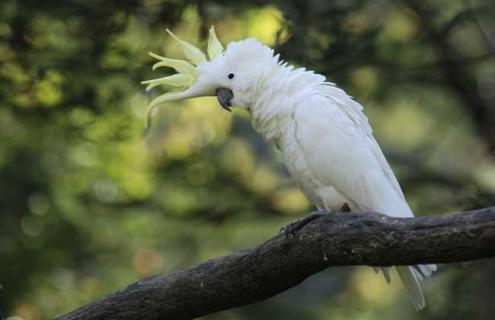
341,152
354,111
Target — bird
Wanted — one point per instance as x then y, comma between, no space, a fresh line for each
323,134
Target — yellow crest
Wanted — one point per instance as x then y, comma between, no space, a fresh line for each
186,70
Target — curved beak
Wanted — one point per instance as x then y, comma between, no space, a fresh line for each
225,97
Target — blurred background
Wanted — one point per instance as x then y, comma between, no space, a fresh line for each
88,204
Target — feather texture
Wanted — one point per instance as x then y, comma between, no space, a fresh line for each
326,140
330,152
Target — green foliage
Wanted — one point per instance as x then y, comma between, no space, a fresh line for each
89,204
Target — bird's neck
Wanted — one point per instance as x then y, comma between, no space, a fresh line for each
280,90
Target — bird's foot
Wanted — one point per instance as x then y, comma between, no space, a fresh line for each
345,208
292,228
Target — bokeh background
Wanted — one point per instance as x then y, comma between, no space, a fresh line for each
89,204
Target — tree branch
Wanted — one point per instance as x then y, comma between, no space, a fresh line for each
282,262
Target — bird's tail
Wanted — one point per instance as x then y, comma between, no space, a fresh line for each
411,276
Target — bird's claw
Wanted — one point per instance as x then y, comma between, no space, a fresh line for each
292,228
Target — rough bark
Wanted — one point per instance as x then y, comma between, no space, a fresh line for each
284,261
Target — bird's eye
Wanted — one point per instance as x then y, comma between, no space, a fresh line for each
231,76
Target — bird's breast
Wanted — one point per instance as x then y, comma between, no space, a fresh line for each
297,165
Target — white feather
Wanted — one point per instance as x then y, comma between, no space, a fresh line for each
330,152
326,139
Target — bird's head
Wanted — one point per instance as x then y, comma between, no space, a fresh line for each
233,74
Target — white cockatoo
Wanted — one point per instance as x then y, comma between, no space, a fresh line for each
325,138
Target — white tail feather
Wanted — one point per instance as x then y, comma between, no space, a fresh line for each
410,277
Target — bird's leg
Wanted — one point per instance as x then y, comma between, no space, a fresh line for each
292,228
